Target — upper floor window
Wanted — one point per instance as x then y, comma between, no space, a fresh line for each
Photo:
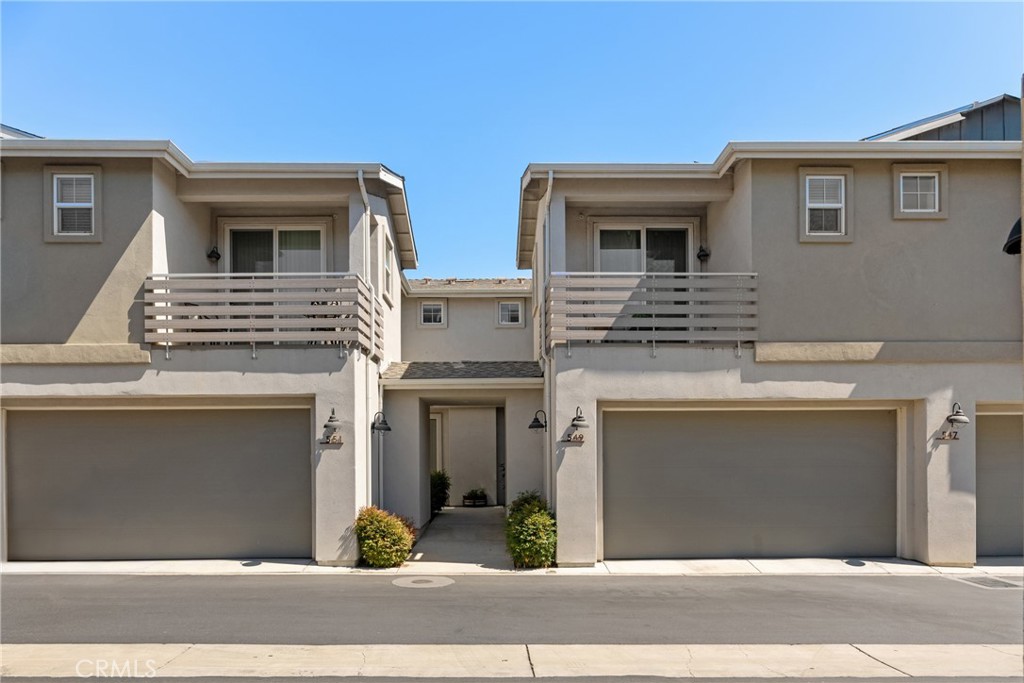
73,203
510,313
432,314
825,204
919,191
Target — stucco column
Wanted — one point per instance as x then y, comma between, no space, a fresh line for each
405,466
944,492
335,484
557,230
575,467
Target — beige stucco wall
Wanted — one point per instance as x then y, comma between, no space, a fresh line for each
472,331
232,378
898,279
730,240
406,447
83,293
936,479
187,230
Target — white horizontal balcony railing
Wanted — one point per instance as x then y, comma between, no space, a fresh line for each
652,308
254,308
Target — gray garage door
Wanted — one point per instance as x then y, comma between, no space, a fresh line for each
1000,468
749,484
158,484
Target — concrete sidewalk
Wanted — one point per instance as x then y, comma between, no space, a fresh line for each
1012,567
816,661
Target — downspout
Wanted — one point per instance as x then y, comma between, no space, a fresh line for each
371,409
545,214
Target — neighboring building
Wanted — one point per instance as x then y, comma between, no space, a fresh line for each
767,349
175,336
749,358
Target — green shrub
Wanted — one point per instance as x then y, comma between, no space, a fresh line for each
384,540
530,531
532,539
409,525
440,487
527,501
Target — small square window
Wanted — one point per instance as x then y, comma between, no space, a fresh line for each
432,314
510,313
919,191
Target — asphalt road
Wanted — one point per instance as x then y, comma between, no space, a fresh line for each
303,609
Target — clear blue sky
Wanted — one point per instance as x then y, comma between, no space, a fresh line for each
460,97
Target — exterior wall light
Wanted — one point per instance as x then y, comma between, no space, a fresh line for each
1012,245
578,422
380,423
213,254
703,254
956,419
540,421
332,430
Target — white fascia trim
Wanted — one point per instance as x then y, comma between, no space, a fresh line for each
467,383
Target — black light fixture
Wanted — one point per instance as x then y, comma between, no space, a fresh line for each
540,421
956,420
213,254
580,422
1012,245
332,429
703,254
380,423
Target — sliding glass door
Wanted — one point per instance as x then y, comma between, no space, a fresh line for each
283,249
643,249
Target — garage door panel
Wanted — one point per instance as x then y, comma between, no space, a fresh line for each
152,484
999,460
749,483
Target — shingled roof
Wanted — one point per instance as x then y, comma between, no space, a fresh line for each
496,284
469,369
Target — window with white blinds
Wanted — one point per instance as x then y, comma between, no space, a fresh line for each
826,205
74,204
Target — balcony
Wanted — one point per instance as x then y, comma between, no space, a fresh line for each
297,309
651,308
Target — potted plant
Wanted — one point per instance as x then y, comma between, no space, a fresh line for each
474,498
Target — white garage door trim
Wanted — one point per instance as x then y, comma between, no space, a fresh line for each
35,404
904,445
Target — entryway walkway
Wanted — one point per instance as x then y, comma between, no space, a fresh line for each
465,539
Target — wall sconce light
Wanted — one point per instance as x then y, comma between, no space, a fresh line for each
578,422
213,254
332,430
540,421
380,423
956,419
703,254
1012,245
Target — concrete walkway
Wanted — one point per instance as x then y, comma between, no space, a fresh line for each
472,539
816,662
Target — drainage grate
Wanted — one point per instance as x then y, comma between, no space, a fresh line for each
988,582
423,582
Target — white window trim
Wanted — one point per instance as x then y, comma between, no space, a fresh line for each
940,171
58,204
497,312
938,192
432,326
229,225
847,218
51,226
690,225
841,205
